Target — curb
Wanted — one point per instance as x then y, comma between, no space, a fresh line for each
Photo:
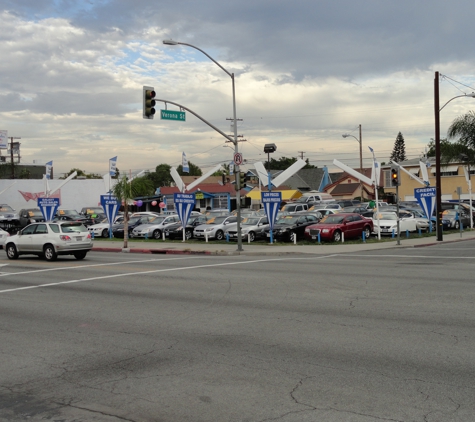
154,251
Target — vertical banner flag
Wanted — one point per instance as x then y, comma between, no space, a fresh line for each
49,166
184,164
48,207
184,204
3,139
271,202
112,166
426,199
111,206
231,168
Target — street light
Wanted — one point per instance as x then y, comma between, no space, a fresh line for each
360,141
235,141
438,187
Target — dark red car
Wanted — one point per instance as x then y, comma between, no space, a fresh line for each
334,226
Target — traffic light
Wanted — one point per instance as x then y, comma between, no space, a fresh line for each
148,102
395,181
242,180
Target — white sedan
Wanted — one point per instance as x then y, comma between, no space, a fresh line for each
102,229
388,223
3,237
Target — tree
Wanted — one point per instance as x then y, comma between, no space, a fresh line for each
125,191
463,128
161,176
81,173
194,170
399,151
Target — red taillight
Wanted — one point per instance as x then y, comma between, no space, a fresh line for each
64,237
89,235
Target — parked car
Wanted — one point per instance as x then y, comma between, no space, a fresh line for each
134,221
30,215
49,240
335,227
72,215
322,212
91,211
9,218
215,227
451,219
291,225
293,207
102,229
422,222
153,228
3,238
175,231
388,223
252,228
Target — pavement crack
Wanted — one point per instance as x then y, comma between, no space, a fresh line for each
95,411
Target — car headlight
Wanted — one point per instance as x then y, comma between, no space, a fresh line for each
210,229
325,230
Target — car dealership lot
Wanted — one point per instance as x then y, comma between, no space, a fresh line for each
380,334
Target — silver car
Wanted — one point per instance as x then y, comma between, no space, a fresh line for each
49,240
214,228
154,228
251,229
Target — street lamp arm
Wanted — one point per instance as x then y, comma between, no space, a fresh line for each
171,42
346,135
199,117
472,95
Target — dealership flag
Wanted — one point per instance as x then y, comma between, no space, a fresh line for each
112,166
49,166
184,164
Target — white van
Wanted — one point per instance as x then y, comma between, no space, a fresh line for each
315,198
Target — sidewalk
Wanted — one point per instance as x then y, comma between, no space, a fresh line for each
231,248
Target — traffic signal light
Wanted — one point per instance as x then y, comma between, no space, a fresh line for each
395,181
148,102
242,180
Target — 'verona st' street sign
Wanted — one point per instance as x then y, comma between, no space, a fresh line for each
172,115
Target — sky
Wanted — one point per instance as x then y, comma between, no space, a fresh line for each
306,72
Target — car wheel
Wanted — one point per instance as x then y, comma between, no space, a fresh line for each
367,232
457,225
11,251
188,234
219,235
251,236
337,236
157,234
49,253
80,255
105,233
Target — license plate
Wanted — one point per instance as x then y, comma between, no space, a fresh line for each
268,234
385,230
78,238
314,237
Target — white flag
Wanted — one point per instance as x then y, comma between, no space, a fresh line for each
184,164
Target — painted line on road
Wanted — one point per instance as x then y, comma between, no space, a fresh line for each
405,256
163,270
98,265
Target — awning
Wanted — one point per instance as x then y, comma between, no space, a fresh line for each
445,169
287,195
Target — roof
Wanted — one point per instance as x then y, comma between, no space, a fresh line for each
205,187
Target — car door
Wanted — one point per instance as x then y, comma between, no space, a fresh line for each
24,241
39,238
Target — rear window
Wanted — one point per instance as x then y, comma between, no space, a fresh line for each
73,227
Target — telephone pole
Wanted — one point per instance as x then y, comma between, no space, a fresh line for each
11,154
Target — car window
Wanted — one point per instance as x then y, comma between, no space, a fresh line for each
73,228
54,228
29,229
41,229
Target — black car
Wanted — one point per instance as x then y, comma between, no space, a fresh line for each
30,215
118,229
293,224
73,215
175,231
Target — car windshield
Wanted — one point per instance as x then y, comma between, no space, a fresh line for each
386,216
287,220
333,219
35,213
72,228
6,208
67,212
217,220
156,220
250,222
290,208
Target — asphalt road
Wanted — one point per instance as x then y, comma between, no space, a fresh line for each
361,337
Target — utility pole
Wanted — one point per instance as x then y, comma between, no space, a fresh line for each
301,154
11,154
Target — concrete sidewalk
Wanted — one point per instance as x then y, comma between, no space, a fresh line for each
259,248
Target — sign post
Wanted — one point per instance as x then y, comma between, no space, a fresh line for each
111,205
271,202
184,204
173,115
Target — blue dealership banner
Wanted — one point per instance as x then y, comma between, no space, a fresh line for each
184,204
271,202
48,207
111,206
426,199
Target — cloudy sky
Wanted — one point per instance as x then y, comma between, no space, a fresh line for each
307,71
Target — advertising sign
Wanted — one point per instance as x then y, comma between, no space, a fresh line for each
111,206
3,139
48,207
184,204
271,202
426,199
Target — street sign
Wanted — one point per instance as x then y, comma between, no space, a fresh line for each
172,115
111,206
238,158
184,204
426,199
48,207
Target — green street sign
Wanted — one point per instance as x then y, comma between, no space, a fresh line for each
172,115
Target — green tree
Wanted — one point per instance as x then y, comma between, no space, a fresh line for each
194,170
161,176
462,128
81,173
399,151
125,190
